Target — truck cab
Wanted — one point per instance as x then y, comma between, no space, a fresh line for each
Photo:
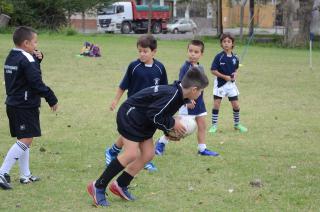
127,16
111,18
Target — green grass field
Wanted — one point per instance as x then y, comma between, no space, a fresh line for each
279,101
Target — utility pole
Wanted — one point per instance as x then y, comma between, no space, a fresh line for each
251,10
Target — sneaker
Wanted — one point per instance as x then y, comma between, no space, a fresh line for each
4,184
241,128
208,152
121,191
150,167
110,155
213,129
98,195
160,147
28,179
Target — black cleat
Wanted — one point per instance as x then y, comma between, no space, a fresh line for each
4,184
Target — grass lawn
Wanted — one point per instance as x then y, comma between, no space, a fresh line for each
279,101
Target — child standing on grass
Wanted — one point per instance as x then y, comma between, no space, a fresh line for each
225,67
137,119
197,107
24,87
141,73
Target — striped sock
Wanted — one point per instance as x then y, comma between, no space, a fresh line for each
236,116
116,149
14,153
215,115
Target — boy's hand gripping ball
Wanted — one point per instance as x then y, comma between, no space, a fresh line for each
188,122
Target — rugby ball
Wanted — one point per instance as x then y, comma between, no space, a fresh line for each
188,122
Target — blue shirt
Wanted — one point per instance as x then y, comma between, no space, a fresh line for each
226,65
140,76
200,106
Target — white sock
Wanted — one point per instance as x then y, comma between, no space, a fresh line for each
13,155
202,147
163,140
24,163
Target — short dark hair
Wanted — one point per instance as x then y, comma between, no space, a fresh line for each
227,35
23,33
195,77
197,43
147,41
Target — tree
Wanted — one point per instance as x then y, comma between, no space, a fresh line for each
219,18
305,16
288,13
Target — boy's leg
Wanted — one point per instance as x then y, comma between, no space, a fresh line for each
112,153
97,188
15,153
161,144
201,135
236,115
120,186
25,174
215,114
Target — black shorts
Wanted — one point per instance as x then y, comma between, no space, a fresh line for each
133,125
24,123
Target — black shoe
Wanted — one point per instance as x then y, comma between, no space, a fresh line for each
7,177
4,184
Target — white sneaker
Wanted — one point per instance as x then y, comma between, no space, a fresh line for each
28,179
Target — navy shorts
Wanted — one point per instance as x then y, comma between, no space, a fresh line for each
24,122
133,124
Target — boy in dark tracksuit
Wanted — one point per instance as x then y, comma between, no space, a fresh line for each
24,87
137,119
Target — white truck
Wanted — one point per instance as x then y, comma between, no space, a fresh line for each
126,16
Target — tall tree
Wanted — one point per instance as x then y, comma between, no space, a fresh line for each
219,18
288,14
305,16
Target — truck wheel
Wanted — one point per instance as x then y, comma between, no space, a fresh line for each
125,28
175,31
156,28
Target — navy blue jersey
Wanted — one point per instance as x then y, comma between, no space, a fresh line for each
140,76
226,65
24,85
150,109
200,106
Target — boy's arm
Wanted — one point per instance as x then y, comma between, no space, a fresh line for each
33,75
116,99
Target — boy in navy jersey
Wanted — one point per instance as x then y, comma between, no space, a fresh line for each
197,107
141,73
137,119
224,67
24,88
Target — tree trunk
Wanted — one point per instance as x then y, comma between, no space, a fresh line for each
288,12
83,19
305,15
219,18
